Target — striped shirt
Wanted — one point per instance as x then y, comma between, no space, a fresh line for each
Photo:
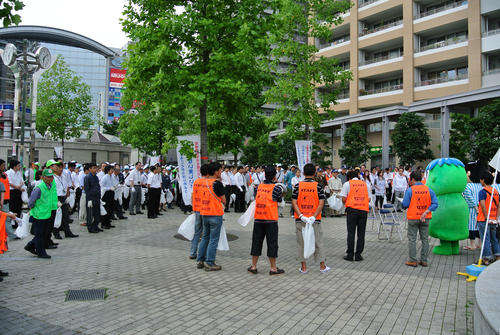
471,194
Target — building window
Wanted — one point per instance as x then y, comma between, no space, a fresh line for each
94,157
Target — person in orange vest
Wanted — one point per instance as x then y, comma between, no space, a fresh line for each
356,199
308,200
420,201
196,203
266,221
4,180
490,241
213,201
3,237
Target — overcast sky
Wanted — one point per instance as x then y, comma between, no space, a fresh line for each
96,19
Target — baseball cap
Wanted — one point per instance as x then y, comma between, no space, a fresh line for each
146,166
52,162
37,164
47,173
126,167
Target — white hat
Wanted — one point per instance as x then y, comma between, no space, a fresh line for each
146,166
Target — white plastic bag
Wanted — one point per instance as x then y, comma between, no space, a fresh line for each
335,203
24,197
282,204
247,217
248,196
169,196
143,198
186,228
58,218
82,214
223,244
24,226
126,191
118,194
233,198
309,242
72,196
163,199
103,210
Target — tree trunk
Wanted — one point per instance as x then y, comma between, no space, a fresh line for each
203,133
62,150
307,132
235,159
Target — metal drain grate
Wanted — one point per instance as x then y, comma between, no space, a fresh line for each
86,295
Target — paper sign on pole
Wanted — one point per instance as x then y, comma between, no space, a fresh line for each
58,151
495,161
189,169
303,149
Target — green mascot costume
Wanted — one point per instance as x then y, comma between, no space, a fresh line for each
449,223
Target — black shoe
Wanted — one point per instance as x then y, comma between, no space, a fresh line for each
105,227
53,243
44,256
99,230
70,234
140,212
358,258
30,248
192,257
51,247
200,265
3,274
158,214
348,258
93,231
132,214
57,236
111,226
70,220
114,218
122,218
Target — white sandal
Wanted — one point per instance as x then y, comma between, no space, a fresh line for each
303,272
325,270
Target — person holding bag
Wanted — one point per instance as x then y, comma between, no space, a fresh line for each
308,200
92,189
196,201
266,221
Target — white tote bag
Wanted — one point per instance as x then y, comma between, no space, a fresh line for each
335,203
58,218
24,226
24,197
223,244
72,196
163,199
126,191
186,228
103,210
247,217
309,242
143,198
169,196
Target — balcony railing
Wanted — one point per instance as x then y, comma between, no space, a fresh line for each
366,3
491,32
441,9
441,80
491,71
381,59
335,42
442,44
363,92
379,28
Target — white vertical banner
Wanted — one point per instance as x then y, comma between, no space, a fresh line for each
189,169
303,149
58,151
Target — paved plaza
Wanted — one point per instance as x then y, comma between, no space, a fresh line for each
153,288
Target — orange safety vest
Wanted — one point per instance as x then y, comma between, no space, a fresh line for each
358,196
481,217
3,233
5,182
265,207
197,185
308,199
211,204
420,201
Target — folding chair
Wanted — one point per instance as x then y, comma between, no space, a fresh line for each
388,219
372,215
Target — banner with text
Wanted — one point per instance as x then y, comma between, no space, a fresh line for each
303,153
189,169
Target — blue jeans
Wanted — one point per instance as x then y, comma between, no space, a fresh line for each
198,228
208,245
490,242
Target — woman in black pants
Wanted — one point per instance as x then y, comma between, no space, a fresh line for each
16,187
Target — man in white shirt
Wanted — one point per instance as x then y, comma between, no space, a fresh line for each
226,181
108,185
82,213
280,176
154,191
240,183
135,190
62,187
399,185
101,173
17,186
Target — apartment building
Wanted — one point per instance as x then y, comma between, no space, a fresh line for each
429,56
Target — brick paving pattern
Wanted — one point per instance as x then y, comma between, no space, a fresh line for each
153,288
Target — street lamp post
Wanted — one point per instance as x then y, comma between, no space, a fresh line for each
24,64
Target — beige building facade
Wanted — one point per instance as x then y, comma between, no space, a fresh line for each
434,57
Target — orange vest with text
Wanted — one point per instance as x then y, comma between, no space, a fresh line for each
3,233
358,196
265,207
308,199
211,204
5,182
420,201
494,205
197,188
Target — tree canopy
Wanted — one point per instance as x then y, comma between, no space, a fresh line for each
410,139
356,149
63,104
7,9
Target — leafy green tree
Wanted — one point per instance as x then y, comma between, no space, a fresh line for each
63,105
410,139
294,88
206,58
486,132
7,12
356,149
460,137
111,128
320,149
